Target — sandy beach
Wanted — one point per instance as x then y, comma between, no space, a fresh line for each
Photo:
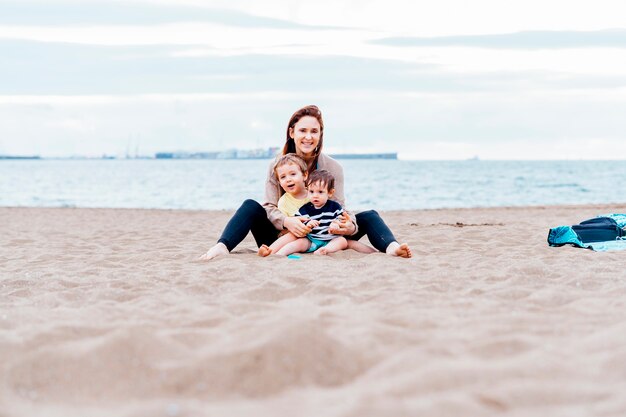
106,312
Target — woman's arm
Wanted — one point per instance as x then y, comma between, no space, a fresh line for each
272,194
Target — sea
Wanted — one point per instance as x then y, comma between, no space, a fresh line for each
369,184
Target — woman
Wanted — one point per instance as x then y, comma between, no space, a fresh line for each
305,137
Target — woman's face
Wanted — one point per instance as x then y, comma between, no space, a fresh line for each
306,135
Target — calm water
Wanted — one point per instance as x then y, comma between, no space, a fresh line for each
384,185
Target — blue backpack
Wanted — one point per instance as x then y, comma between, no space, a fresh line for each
599,229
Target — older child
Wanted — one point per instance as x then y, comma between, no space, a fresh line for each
322,213
291,172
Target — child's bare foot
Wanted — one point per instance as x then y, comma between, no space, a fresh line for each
217,250
321,251
264,251
401,250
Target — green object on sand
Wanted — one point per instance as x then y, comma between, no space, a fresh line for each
292,256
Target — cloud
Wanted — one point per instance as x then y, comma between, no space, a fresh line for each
431,126
57,68
615,38
43,68
59,13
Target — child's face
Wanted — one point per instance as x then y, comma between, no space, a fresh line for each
291,179
319,194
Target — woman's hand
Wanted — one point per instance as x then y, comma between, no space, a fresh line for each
296,226
342,226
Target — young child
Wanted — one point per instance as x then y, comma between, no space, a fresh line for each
291,172
322,212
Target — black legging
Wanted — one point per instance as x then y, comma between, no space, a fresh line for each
371,224
252,217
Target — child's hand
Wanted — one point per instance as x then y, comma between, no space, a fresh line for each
313,223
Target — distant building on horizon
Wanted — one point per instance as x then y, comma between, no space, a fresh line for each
261,153
19,157
390,155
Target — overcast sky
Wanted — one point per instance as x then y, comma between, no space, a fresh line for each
447,79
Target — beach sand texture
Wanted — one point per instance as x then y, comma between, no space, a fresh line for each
105,313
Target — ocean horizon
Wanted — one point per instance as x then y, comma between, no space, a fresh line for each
369,184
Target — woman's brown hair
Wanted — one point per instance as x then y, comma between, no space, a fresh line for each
290,145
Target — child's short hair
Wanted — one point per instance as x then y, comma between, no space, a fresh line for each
323,177
291,158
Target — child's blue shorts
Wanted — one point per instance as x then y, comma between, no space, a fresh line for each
316,244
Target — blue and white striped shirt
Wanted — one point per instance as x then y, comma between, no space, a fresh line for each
325,215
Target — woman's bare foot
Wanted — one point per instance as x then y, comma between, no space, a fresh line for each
264,251
401,250
217,250
404,251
